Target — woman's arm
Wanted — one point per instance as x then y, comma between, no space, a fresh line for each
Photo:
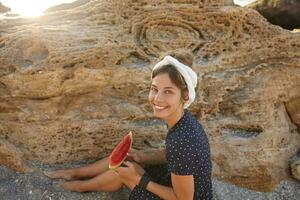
154,157
183,188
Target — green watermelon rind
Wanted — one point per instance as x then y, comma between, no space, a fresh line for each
114,167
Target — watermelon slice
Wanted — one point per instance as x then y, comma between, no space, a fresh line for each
119,153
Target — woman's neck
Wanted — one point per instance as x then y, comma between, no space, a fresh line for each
174,119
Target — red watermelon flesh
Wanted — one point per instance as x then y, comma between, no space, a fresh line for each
119,153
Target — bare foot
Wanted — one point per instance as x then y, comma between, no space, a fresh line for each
63,174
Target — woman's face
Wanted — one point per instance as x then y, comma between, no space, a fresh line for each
165,98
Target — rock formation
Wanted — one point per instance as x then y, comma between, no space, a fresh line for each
285,13
296,169
74,81
3,9
66,6
11,156
295,165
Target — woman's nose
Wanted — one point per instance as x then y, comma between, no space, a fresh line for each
158,97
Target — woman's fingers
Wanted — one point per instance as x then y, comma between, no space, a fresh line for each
132,150
118,171
128,164
130,154
131,157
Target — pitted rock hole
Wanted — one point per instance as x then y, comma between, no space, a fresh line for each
4,89
133,60
26,64
159,34
293,110
31,51
248,133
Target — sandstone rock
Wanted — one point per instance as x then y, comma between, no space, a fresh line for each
229,2
66,6
3,9
297,31
285,13
12,157
74,81
293,109
295,166
296,169
209,3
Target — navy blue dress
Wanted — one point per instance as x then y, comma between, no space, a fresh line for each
187,153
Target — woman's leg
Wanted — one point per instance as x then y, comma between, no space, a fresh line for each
90,170
109,181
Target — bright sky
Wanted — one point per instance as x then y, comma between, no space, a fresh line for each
243,2
34,8
31,8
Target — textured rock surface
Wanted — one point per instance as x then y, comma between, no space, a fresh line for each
295,166
228,2
11,157
66,6
74,81
296,169
3,9
285,13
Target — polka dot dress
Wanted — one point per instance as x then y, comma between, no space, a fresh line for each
187,153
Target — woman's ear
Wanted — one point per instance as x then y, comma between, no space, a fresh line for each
185,95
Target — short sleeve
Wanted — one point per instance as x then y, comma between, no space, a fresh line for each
186,156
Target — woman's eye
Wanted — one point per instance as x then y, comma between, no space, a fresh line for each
168,92
153,89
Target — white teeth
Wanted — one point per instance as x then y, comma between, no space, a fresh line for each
159,107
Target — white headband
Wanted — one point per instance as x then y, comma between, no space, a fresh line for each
188,74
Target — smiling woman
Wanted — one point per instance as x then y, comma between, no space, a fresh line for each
31,8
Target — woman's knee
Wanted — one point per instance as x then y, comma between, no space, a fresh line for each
129,184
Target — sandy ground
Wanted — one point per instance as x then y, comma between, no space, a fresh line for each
35,186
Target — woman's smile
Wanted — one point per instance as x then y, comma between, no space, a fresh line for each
165,99
159,107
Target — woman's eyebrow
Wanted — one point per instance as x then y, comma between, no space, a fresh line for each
169,87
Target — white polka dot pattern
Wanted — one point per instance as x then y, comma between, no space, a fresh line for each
187,153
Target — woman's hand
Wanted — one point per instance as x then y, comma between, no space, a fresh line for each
131,173
136,156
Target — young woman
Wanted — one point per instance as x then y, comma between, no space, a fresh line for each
187,172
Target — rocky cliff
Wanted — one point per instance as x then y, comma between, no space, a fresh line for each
285,13
3,9
74,81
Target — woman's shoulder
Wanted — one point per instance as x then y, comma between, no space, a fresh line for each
188,128
192,124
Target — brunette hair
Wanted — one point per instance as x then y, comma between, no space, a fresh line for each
174,74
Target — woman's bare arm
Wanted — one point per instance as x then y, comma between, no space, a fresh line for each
183,188
155,157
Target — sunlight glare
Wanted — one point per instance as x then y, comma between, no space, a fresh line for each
35,8
243,2
31,8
